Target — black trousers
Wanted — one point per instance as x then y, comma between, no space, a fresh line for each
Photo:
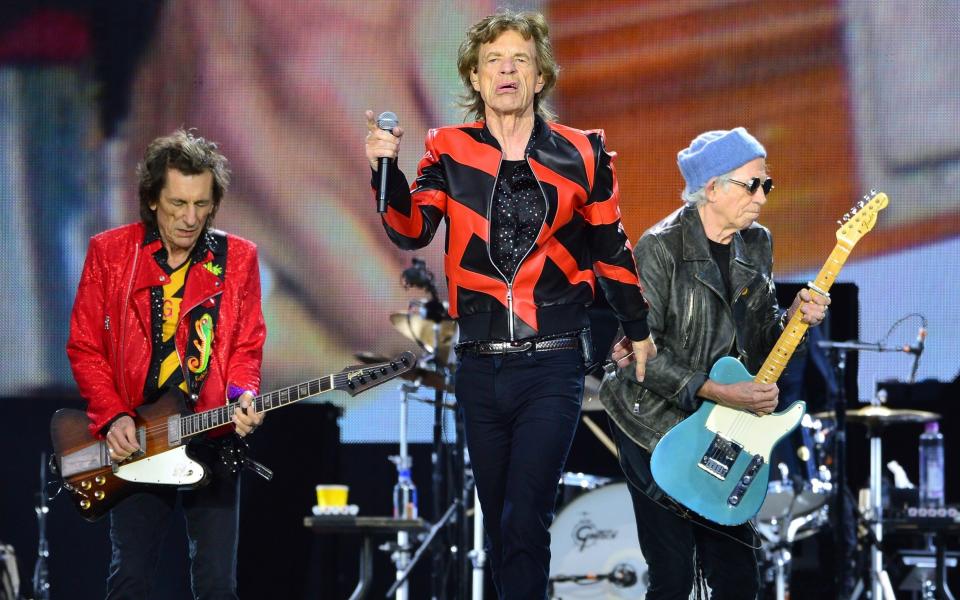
520,414
138,526
669,542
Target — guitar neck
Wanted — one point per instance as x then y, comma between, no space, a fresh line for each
191,425
795,329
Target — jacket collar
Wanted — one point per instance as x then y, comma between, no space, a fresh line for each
206,243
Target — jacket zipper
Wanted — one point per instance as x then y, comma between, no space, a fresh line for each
509,282
687,321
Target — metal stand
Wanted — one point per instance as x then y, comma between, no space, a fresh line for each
478,556
880,586
839,352
878,575
401,556
41,582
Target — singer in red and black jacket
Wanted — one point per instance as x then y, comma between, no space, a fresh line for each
532,225
573,240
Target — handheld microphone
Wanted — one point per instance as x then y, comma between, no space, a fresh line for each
386,121
917,350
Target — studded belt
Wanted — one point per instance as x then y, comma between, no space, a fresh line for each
531,345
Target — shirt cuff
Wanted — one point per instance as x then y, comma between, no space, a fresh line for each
235,391
636,331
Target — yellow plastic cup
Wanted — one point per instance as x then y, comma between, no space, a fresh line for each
332,495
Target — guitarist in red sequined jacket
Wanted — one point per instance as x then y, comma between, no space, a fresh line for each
171,306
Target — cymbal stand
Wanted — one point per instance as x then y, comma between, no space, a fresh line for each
880,586
478,556
419,276
880,582
41,581
404,462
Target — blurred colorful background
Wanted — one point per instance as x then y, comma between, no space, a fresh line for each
847,96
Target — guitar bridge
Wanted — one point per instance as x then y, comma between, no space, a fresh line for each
720,456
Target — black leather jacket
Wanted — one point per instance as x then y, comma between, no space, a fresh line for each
693,322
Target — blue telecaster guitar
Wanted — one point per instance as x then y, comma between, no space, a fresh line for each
716,461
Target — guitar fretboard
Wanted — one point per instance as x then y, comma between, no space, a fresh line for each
216,417
793,333
352,381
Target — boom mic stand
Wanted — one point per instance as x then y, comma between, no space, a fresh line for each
838,351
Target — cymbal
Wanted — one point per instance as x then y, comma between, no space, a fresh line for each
424,376
591,394
881,415
418,329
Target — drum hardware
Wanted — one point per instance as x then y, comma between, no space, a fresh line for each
875,418
593,545
41,575
9,574
623,575
428,323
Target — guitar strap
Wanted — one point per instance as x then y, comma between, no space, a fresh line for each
203,318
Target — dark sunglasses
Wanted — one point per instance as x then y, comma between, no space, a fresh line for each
755,184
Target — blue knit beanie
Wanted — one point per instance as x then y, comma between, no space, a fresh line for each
715,153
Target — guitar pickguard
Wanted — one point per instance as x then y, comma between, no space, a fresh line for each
173,467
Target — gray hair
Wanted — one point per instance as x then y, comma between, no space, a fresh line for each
699,197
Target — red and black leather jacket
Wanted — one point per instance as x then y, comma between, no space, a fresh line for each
581,240
110,342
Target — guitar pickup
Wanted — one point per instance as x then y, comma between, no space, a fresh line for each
720,456
749,475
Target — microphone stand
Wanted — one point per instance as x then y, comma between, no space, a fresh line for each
839,352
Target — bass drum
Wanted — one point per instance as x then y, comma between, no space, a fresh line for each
596,535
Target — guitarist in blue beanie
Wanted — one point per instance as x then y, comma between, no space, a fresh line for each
706,271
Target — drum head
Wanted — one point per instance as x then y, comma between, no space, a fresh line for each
597,533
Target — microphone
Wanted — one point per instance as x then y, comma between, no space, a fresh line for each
623,575
386,121
917,350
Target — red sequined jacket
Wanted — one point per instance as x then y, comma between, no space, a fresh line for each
110,327
580,242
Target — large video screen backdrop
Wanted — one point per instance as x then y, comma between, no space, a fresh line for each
847,96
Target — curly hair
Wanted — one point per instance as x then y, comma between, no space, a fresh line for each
187,153
527,24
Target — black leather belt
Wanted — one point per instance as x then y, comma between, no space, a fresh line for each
532,345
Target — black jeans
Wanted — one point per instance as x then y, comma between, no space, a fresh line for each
520,413
668,541
139,524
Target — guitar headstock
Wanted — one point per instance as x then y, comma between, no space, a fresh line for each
356,379
861,218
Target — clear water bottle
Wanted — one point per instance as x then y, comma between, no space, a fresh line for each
931,467
404,497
